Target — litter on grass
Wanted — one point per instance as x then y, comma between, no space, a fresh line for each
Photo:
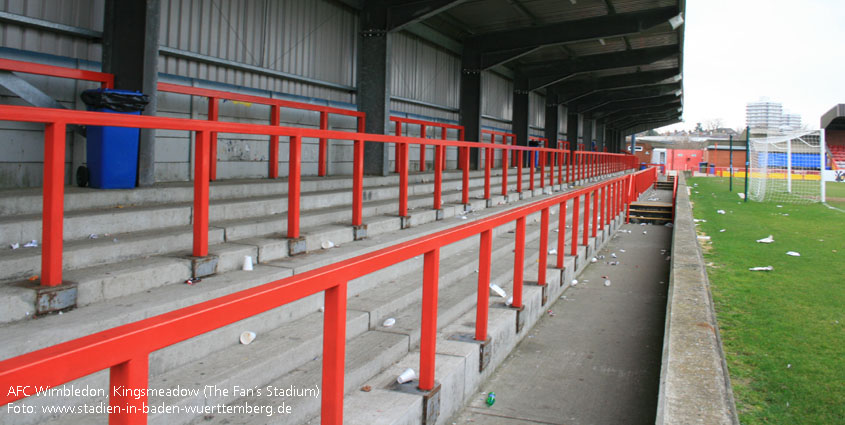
705,238
793,253
721,230
720,211
699,220
762,269
741,195
767,239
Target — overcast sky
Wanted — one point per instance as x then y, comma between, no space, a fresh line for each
736,51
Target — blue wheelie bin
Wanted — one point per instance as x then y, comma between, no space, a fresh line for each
112,152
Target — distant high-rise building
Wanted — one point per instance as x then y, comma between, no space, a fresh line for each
791,122
764,115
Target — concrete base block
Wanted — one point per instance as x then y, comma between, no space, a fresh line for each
404,222
485,348
439,214
53,299
430,399
359,232
296,246
520,318
490,203
203,266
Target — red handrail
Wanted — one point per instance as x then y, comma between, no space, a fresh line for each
106,80
56,121
125,349
214,97
424,125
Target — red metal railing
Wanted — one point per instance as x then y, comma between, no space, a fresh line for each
56,121
125,349
105,80
214,97
640,182
424,126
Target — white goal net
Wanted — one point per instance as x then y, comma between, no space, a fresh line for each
786,168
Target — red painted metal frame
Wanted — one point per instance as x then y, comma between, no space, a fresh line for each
106,80
125,349
51,261
424,125
214,97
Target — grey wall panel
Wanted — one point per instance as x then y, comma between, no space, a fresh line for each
497,96
87,14
536,110
308,38
424,72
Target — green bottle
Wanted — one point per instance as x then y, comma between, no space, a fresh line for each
491,398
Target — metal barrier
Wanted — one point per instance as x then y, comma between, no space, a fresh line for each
56,121
640,182
424,125
276,105
125,349
106,80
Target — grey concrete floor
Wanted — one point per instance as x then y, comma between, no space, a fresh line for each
594,358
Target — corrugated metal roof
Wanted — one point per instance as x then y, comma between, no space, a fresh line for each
641,41
625,6
594,47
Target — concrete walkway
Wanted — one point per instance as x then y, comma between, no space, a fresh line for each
594,358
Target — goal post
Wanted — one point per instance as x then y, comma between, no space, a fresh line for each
787,168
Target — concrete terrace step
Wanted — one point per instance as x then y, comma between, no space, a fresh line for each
259,237
168,358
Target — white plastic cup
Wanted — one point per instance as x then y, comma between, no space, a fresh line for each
407,376
247,337
248,263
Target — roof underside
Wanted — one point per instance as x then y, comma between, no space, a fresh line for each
615,60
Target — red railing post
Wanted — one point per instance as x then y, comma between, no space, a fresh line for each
402,148
201,179
324,145
428,333
586,240
542,169
294,170
213,112
488,158
422,148
561,234
464,154
576,206
602,207
358,183
544,247
396,154
334,354
518,262
483,301
53,201
607,204
439,154
595,210
559,167
504,172
532,155
443,134
275,120
128,382
519,172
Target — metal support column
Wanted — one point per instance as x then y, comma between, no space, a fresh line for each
373,82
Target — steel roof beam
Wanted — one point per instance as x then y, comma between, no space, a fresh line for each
641,118
553,72
643,109
498,47
403,13
630,97
572,91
